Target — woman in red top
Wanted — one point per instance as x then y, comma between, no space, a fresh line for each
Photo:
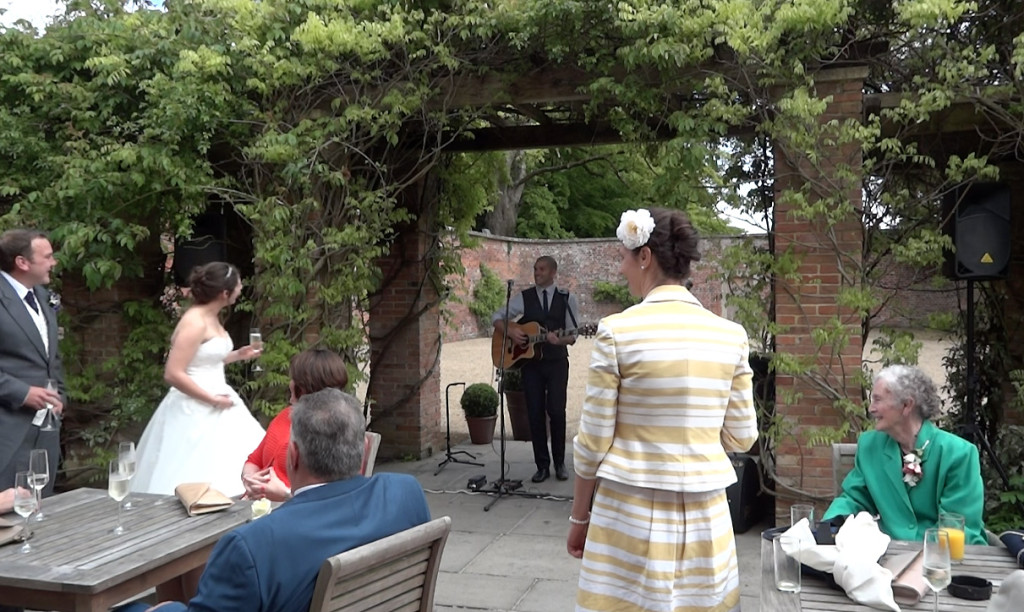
264,473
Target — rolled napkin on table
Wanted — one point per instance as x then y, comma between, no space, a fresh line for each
908,585
10,530
200,498
853,560
1014,541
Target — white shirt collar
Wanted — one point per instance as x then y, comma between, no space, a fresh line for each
308,488
20,289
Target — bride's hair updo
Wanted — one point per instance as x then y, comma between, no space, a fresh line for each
674,242
208,281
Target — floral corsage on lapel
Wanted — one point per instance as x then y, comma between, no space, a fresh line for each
912,465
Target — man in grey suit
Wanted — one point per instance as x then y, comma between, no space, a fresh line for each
28,354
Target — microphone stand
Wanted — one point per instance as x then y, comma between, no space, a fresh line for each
503,486
449,456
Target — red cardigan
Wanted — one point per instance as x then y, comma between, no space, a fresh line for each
273,450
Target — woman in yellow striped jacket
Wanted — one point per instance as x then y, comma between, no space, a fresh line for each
668,394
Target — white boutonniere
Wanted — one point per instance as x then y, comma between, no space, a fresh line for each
912,472
55,301
635,227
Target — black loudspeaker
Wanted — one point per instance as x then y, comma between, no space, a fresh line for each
206,244
977,218
746,505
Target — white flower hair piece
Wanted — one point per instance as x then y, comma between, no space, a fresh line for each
635,227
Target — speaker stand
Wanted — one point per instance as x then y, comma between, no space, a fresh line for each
970,430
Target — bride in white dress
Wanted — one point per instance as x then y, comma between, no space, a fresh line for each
202,431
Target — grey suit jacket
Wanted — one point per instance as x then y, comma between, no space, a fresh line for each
24,362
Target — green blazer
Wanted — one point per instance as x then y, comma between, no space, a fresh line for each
950,482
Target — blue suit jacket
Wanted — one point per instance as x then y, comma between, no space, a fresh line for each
271,564
950,482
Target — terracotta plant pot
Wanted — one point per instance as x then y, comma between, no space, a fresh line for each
515,404
481,429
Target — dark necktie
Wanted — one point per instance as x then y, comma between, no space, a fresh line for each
30,299
545,293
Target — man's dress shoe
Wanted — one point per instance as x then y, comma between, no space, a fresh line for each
560,472
541,475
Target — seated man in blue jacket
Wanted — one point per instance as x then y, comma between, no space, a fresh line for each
271,564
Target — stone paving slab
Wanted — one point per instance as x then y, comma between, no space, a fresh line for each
512,557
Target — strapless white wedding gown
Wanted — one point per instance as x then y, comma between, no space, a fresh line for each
191,441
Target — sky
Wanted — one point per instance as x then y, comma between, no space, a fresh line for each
38,12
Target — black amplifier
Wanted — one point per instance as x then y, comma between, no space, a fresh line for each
747,505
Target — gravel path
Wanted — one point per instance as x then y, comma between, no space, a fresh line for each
469,361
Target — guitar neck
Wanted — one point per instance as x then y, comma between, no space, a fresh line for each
543,336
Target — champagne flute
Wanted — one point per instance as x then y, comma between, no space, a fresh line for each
126,457
937,568
24,503
39,467
117,488
256,342
49,420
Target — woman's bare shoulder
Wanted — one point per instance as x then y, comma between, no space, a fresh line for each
192,326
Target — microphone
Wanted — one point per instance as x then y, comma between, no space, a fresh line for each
510,282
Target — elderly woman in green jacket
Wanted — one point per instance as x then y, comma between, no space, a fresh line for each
908,470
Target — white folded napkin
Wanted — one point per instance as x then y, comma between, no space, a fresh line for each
1010,594
853,560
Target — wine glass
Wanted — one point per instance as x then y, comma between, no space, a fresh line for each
937,569
24,503
39,467
117,488
50,419
126,457
256,342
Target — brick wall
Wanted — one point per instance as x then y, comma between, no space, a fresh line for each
405,336
808,302
581,263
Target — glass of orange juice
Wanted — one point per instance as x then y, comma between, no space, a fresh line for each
953,524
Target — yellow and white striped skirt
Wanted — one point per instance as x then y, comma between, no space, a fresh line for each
658,551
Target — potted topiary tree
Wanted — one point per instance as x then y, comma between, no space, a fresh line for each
515,404
480,403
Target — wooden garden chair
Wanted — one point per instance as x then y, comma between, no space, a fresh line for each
396,573
843,454
371,444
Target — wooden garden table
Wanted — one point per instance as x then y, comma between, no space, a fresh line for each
992,562
78,564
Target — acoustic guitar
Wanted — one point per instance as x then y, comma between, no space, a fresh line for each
509,354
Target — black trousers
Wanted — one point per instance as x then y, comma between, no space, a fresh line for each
544,383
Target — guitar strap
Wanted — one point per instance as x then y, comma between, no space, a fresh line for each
568,306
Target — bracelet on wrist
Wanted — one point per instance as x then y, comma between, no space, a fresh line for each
576,521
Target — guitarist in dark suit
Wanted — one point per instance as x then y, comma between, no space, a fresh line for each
545,378
28,353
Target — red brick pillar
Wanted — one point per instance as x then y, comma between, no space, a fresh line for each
405,335
829,256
